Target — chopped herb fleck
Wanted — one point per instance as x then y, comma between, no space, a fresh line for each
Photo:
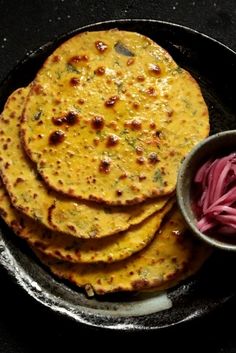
90,78
117,63
116,181
58,74
124,132
37,115
187,103
119,85
101,135
158,177
179,70
123,50
72,68
37,217
78,110
26,197
131,141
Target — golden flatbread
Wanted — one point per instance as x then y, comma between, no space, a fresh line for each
167,258
63,246
110,116
200,254
30,195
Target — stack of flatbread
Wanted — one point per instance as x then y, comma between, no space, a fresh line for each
89,157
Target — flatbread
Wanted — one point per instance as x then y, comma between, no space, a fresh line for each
200,254
165,260
65,247
30,195
110,117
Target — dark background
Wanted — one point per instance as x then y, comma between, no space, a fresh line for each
26,326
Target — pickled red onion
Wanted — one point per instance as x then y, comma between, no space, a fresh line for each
217,201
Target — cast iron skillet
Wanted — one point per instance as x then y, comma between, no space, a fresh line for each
214,67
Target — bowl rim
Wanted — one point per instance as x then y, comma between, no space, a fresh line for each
181,181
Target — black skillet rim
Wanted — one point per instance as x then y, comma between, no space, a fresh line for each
10,254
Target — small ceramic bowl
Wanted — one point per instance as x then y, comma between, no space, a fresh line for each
214,146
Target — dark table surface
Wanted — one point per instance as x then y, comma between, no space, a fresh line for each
26,326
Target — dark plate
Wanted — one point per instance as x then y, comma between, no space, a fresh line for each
214,67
